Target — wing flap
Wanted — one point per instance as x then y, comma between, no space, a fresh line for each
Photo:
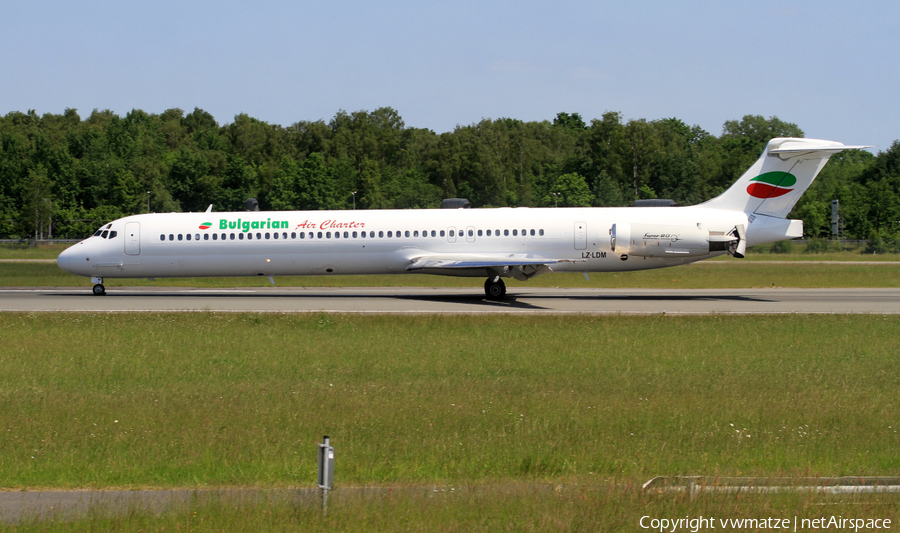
516,266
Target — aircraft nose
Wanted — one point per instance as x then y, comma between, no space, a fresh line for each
64,260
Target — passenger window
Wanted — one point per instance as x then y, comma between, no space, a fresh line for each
541,232
319,235
371,234
532,233
196,236
452,233
347,235
180,237
471,233
284,235
171,237
337,234
215,236
232,236
275,235
497,232
267,235
104,234
416,233
442,233
249,236
479,233
258,236
488,233
433,233
506,233
162,237
206,236
293,234
354,234
515,233
188,236
523,233
241,236
406,233
390,234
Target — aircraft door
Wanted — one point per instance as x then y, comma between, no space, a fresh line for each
470,234
133,238
580,235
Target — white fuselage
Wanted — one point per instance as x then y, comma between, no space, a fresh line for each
292,243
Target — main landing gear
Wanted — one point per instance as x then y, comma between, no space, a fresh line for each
494,288
99,289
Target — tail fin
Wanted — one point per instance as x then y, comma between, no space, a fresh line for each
772,186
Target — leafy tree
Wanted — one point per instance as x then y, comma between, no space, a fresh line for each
569,190
37,211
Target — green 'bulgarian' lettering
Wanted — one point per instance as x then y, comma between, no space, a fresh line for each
247,225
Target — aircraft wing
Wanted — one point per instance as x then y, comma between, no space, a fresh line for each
519,266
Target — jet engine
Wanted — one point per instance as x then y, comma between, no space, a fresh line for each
666,240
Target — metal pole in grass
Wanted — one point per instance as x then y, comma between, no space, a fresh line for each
326,471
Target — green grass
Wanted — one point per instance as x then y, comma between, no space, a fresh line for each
492,410
729,274
608,507
24,251
173,400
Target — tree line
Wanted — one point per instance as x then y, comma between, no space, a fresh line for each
62,176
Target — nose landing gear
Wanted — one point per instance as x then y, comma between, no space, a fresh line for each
99,289
494,288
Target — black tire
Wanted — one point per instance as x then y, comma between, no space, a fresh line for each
494,290
99,290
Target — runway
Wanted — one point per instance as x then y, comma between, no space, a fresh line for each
438,300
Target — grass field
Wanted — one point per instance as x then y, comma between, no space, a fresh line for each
609,507
196,400
504,404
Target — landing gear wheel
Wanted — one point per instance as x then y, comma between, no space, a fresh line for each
99,290
494,289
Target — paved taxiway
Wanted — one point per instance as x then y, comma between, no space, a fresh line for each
416,300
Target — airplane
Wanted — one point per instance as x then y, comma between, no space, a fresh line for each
491,243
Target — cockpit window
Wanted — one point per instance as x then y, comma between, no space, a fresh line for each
104,233
112,234
98,232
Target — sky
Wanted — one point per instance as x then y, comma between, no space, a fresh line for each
832,68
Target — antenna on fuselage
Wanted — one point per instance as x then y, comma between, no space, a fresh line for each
209,209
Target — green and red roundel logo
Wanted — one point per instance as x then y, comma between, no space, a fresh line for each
206,225
771,185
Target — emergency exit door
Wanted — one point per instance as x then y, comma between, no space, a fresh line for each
580,235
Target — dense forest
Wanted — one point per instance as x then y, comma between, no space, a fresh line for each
61,175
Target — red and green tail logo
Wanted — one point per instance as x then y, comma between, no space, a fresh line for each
206,225
771,185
